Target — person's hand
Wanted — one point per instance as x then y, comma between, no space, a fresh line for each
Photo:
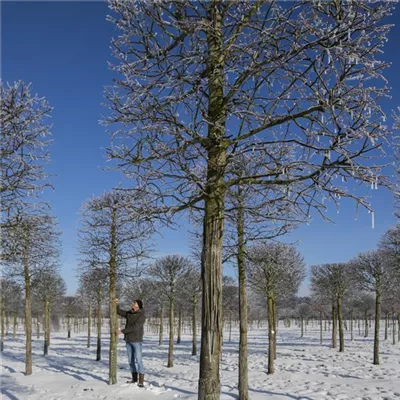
119,331
116,301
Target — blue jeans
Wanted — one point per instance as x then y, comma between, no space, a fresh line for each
134,350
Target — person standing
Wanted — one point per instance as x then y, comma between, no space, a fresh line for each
133,336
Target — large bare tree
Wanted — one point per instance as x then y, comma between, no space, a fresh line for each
119,238
202,83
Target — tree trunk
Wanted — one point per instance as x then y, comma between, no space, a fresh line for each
3,314
99,318
394,329
89,324
178,339
377,321
211,335
69,327
243,353
386,325
28,318
366,325
160,339
14,325
275,321
320,327
171,334
340,320
351,325
334,327
112,375
194,326
46,326
398,327
37,327
271,335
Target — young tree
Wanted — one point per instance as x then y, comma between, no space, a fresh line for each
334,279
119,237
276,271
48,287
171,272
24,139
204,82
30,247
373,273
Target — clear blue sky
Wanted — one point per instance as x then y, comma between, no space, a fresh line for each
63,49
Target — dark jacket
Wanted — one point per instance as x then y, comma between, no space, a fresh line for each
133,331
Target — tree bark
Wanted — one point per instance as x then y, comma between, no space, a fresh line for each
171,334
160,339
366,325
46,326
89,326
386,324
351,325
271,335
14,325
3,314
243,352
28,316
211,334
340,320
112,378
38,327
178,339
320,327
377,321
334,327
99,318
194,326
69,327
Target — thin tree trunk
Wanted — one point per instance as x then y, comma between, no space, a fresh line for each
398,327
275,320
178,340
377,322
37,327
351,325
243,352
271,334
69,327
160,339
99,320
171,334
28,318
366,325
230,326
46,326
89,324
15,325
3,313
194,326
340,320
394,329
320,327
112,379
334,327
386,325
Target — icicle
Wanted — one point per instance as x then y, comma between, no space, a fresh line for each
373,219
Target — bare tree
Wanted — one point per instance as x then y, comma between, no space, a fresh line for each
171,272
24,139
275,270
373,273
30,247
48,287
204,82
334,279
119,237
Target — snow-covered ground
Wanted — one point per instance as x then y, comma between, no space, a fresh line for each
305,370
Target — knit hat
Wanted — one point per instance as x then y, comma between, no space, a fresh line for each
139,303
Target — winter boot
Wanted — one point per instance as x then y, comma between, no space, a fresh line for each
134,378
141,380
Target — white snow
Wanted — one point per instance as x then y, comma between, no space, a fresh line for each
305,370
